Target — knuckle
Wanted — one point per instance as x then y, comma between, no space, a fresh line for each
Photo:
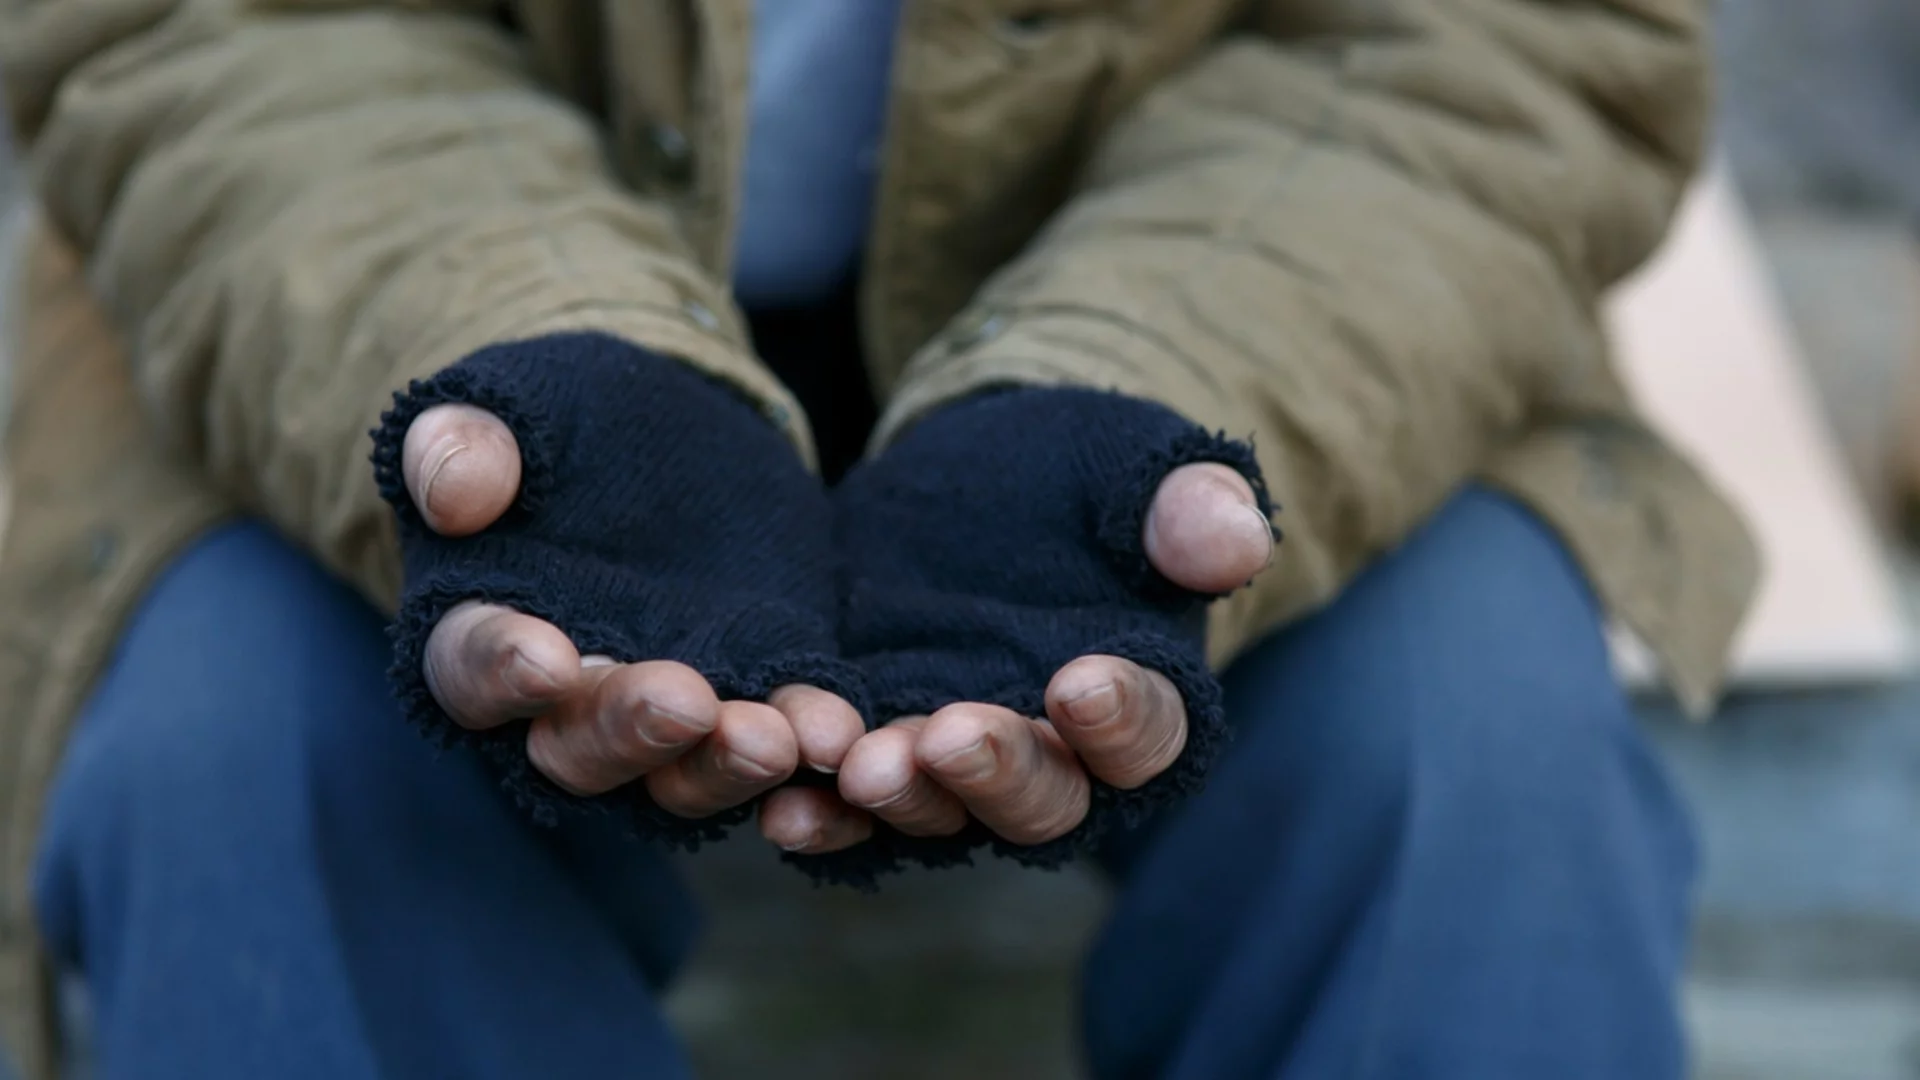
878,768
675,688
753,748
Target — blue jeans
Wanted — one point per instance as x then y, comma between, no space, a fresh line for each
1437,849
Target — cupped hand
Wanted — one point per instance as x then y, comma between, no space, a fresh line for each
1028,778
597,725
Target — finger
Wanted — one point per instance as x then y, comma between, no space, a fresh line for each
880,774
638,718
1014,774
823,723
1127,724
487,664
462,468
812,821
1205,531
751,750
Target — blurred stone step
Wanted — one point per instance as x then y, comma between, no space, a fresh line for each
1837,1032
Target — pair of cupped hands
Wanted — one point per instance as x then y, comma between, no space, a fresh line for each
1026,773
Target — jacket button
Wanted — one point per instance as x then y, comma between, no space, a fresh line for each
665,155
975,329
702,315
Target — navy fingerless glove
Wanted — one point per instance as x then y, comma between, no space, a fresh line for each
1000,538
660,517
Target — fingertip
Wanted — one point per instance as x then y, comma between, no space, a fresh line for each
824,724
789,820
487,664
878,768
1013,774
537,663
957,735
462,468
650,714
881,777
1205,530
1090,691
809,821
756,744
1126,723
670,690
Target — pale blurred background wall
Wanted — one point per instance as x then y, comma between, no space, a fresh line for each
1808,966
1808,963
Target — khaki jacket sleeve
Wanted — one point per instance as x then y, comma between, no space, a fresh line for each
292,213
1371,235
